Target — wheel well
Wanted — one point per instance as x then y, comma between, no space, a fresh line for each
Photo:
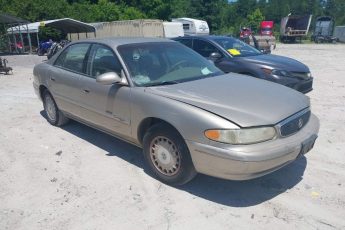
42,88
148,123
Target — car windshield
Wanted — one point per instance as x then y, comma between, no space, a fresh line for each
162,63
236,47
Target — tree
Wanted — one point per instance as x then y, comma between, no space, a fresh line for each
254,19
223,16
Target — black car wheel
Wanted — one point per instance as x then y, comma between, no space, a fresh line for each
167,155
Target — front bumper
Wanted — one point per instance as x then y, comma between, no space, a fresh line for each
301,85
242,162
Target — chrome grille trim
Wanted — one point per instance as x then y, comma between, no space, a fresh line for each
293,118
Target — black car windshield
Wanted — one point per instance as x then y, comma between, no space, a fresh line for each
236,47
163,63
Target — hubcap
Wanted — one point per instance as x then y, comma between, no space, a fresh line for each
165,156
50,108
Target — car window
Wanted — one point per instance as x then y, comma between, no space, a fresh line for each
204,48
236,47
158,63
186,42
185,26
74,58
103,61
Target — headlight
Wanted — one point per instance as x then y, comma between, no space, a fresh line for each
276,72
241,136
282,73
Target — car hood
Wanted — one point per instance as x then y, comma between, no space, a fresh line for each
246,101
277,62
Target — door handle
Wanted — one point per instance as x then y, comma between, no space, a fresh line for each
51,78
86,90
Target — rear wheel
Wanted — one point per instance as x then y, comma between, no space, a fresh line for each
167,155
54,115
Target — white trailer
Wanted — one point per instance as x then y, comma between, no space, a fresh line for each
134,28
126,28
193,26
173,29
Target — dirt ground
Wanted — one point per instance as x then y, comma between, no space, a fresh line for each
79,178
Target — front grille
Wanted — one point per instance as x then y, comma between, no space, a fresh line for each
294,123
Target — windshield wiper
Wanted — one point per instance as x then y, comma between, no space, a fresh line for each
163,83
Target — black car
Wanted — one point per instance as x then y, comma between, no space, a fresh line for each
232,55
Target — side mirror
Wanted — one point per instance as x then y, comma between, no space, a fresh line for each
215,56
108,78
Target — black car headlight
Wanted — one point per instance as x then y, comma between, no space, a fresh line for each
277,72
281,73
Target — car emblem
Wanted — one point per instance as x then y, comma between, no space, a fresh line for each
300,123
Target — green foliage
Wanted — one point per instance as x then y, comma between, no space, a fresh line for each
46,33
254,19
222,16
3,43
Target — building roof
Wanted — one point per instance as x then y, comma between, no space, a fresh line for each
66,25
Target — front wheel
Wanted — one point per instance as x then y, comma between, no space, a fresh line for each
167,155
54,115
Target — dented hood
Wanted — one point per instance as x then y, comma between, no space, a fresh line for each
246,101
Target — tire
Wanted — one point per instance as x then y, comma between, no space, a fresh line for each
167,155
53,114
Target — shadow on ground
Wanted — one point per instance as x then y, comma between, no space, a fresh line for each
225,192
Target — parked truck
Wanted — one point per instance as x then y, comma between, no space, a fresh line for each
294,27
266,28
264,40
323,31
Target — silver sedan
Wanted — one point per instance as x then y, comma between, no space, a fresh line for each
187,115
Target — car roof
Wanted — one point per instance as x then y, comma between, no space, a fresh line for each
117,41
207,37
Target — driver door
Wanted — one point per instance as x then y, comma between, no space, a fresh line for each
105,106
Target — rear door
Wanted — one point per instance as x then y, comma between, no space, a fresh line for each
64,78
105,106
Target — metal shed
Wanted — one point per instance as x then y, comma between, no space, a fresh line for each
10,21
66,25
